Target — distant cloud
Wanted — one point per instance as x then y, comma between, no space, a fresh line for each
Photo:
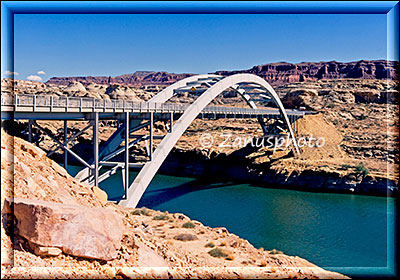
34,78
41,72
9,73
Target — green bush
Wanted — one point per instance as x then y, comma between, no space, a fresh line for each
188,225
345,166
185,237
218,253
160,217
363,117
362,169
141,211
209,245
274,252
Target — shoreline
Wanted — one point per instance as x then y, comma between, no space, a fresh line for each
307,181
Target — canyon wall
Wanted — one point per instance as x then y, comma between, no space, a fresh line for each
275,73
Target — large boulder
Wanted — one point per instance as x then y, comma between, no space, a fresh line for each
368,96
122,92
300,98
75,87
77,230
96,91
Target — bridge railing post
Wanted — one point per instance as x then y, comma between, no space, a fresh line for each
15,102
34,103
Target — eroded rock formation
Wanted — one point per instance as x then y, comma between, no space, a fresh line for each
275,73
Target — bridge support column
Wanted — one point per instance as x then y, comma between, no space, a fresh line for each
126,181
151,136
171,121
65,144
96,148
30,131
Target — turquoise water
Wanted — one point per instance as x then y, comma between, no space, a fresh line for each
342,232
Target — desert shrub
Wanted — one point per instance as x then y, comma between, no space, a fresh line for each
362,169
274,252
141,211
188,225
209,245
160,217
186,237
217,253
363,117
345,166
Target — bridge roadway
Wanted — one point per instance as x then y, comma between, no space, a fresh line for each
38,107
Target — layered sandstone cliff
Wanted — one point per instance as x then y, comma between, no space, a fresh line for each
275,73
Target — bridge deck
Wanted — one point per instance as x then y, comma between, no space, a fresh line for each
36,106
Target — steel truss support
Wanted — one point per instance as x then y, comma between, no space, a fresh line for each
62,145
73,137
30,131
126,155
151,136
66,144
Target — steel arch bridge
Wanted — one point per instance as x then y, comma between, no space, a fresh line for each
133,116
216,85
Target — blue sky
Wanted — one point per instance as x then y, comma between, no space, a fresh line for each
81,45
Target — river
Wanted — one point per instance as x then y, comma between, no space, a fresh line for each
351,234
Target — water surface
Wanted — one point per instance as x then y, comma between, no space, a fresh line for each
343,232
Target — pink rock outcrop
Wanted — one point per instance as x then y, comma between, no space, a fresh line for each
76,230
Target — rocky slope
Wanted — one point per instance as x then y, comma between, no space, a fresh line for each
77,89
43,207
274,73
139,78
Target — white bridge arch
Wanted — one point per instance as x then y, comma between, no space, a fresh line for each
147,173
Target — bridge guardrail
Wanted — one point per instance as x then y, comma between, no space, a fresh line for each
85,103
